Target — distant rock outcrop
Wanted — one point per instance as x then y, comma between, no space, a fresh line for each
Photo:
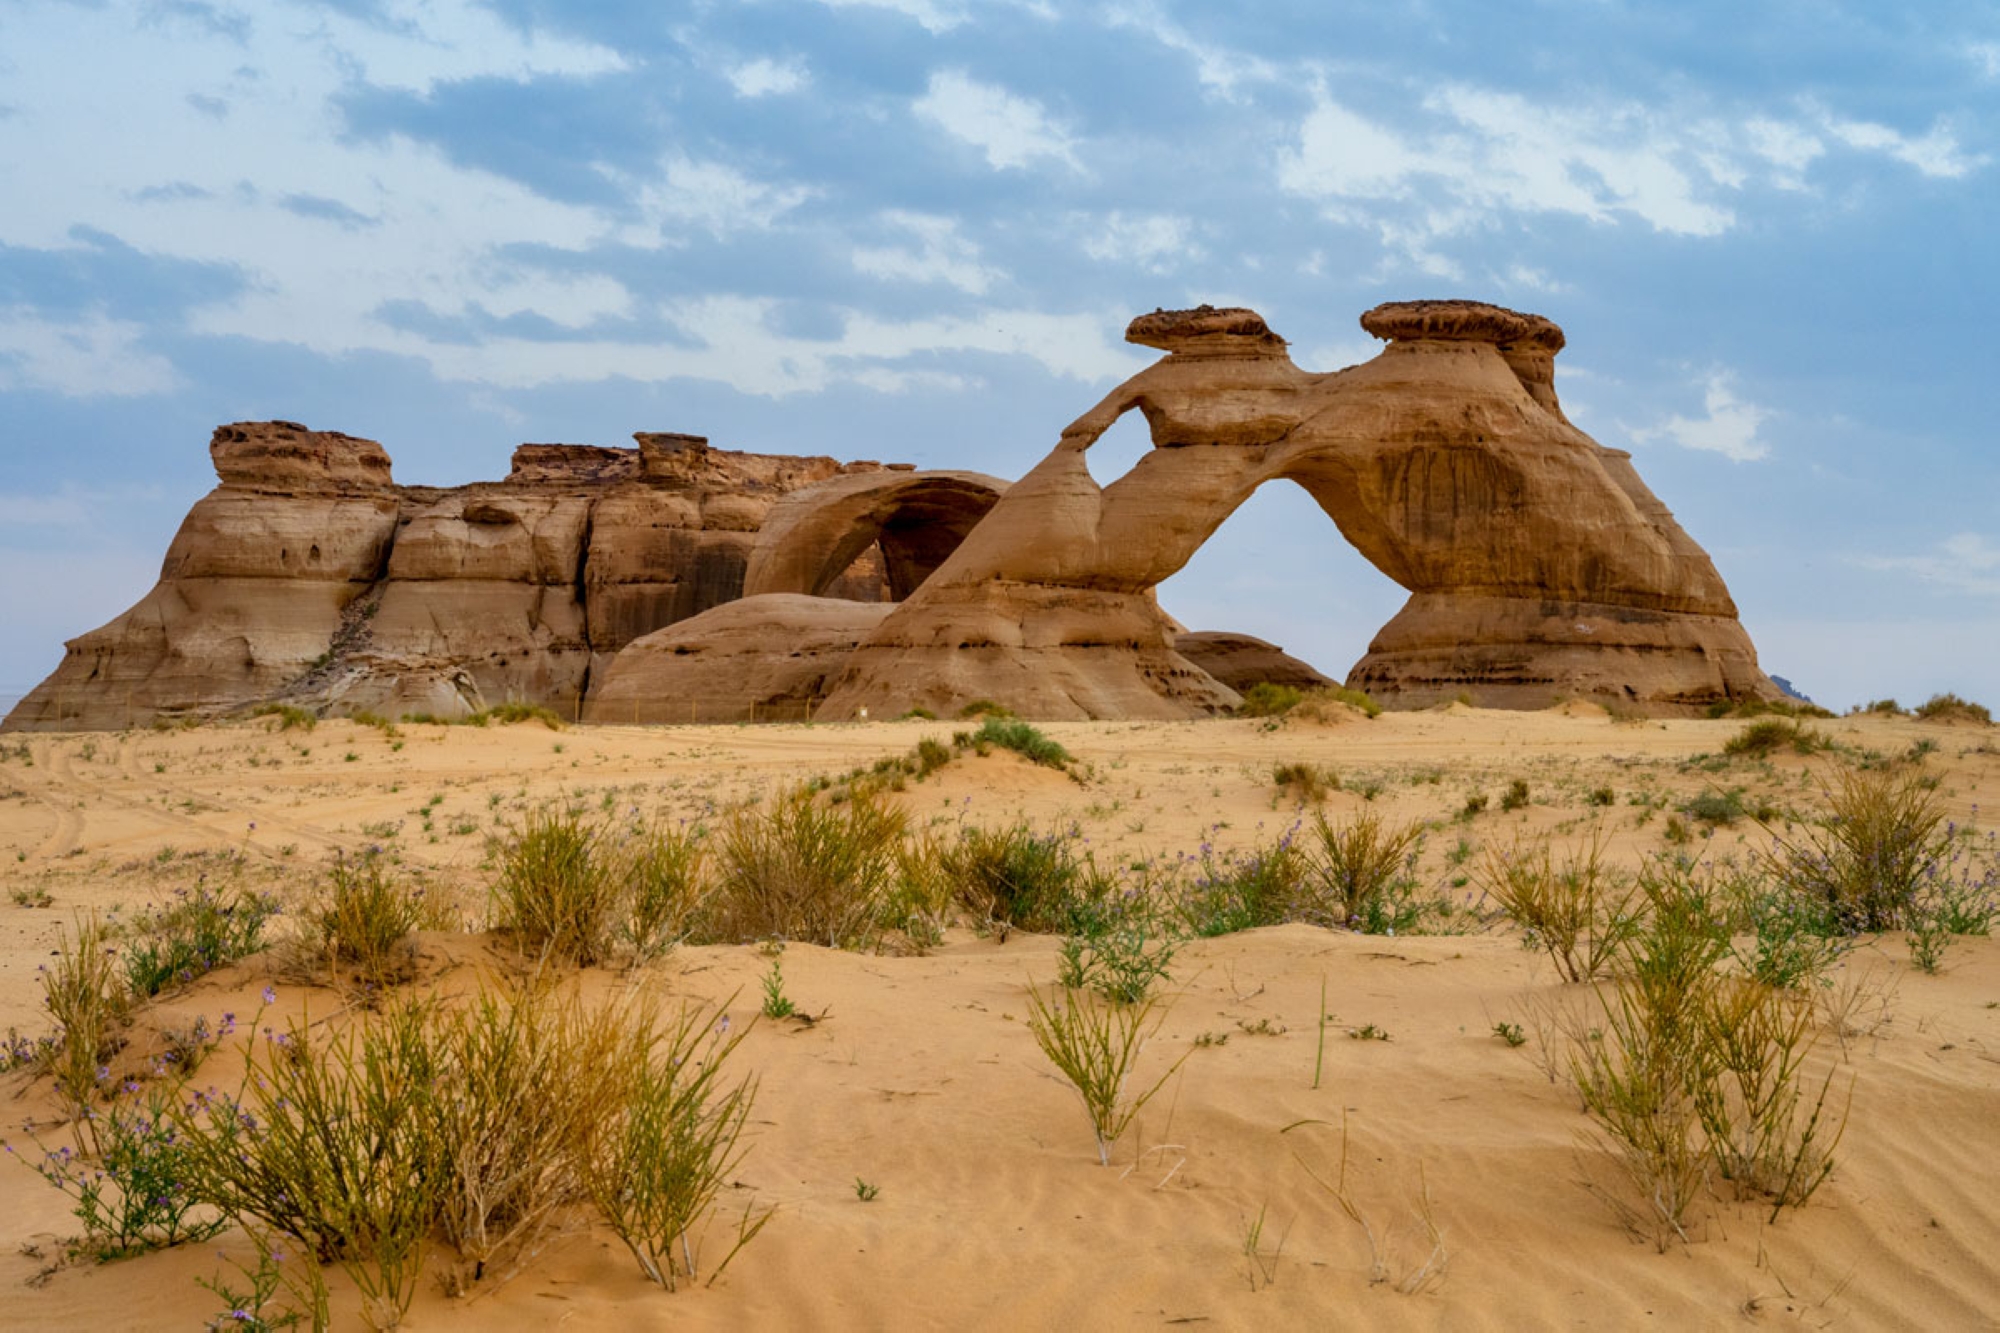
309,576
1538,563
1240,661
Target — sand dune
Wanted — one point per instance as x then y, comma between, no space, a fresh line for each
921,1078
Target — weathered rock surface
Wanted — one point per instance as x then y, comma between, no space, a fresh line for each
765,657
1242,660
308,575
1539,564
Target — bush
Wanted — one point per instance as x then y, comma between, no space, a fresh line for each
985,708
1771,734
1095,1044
1951,708
657,1166
1516,795
800,870
1887,706
83,995
1244,890
1016,878
1123,958
290,716
1361,875
1318,705
664,870
559,886
1020,737
508,714
1579,911
1866,860
361,918
1311,781
197,933
1716,807
1267,700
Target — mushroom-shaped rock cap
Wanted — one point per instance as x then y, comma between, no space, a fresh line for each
1205,330
1461,321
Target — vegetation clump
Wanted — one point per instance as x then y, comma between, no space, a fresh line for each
1951,708
1766,737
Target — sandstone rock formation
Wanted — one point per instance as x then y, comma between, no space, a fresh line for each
1242,660
309,576
1538,563
767,657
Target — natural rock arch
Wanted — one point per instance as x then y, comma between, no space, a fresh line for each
1537,561
917,518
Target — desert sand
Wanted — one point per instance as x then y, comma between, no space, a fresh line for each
920,1077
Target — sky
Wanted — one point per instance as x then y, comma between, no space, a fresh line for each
914,230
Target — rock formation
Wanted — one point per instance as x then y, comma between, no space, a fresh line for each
1538,563
613,582
309,576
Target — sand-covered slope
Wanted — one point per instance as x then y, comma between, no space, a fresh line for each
920,1077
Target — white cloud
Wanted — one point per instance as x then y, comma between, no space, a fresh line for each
1729,429
931,16
1218,68
1155,242
940,254
1935,154
81,358
715,197
1012,131
1986,57
1965,562
763,77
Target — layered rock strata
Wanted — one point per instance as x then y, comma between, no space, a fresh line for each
309,576
1539,565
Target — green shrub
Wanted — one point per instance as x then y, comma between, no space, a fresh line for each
360,918
560,886
1887,706
1516,795
797,869
1578,910
1123,958
657,1166
1022,738
1318,705
664,870
509,714
1769,735
1312,782
1095,1044
1716,807
1017,878
1233,891
83,994
985,708
1265,699
1951,708
290,716
1362,875
1866,860
198,932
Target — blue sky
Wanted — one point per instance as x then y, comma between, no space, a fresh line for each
915,229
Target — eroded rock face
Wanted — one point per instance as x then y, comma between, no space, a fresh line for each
1242,660
1539,565
309,576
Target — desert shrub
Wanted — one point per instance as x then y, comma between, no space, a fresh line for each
1361,874
199,931
1265,699
1310,781
1793,941
1769,735
1123,957
1475,802
1578,910
1716,807
656,1166
509,714
1868,857
1095,1044
134,1196
290,716
1603,796
359,918
1951,708
1885,706
921,895
1516,796
1319,705
83,993
523,1079
1025,740
331,1140
796,869
919,712
1017,878
559,886
931,754
665,886
1232,891
985,708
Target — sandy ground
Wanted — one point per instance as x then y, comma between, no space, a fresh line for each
922,1079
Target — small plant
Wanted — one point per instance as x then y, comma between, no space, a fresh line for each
1516,795
1017,878
985,708
1866,860
1767,736
1123,960
199,931
1320,705
558,888
1361,874
776,1003
246,1311
1369,1032
1601,796
666,887
1716,807
1095,1044
1510,1033
1950,708
1009,733
83,994
657,1168
1235,891
290,716
1475,802
865,1191
511,714
1578,910
796,869
1309,782
1265,699
362,917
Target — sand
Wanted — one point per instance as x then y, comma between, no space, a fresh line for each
921,1078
